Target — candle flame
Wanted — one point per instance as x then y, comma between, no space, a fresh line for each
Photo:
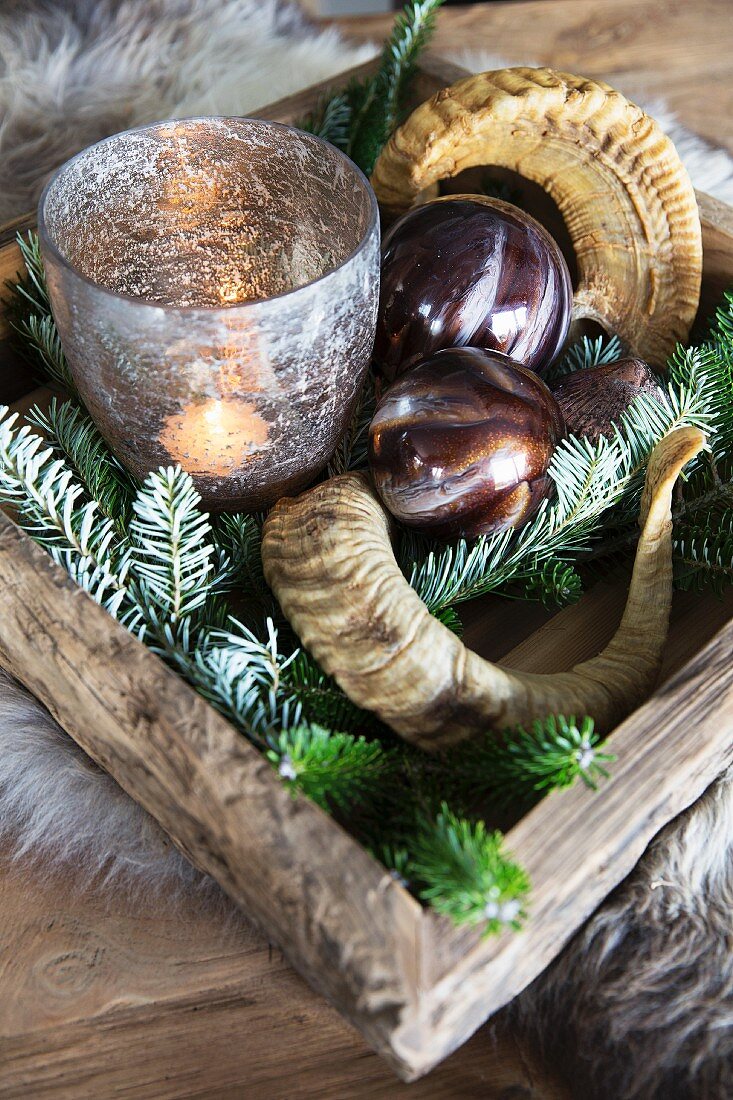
216,437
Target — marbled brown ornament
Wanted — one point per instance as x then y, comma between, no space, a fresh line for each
471,271
460,444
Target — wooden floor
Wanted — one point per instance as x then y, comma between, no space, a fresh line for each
101,1000
680,50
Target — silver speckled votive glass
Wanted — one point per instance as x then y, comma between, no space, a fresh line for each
215,285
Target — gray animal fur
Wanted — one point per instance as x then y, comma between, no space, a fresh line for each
640,1004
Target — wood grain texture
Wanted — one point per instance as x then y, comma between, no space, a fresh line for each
678,50
416,986
182,998
291,868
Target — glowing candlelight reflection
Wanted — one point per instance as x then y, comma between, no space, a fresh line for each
215,437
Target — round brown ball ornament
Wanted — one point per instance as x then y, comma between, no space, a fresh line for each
627,202
460,444
471,271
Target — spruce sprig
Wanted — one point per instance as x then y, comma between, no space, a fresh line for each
322,699
351,453
241,675
335,770
385,94
50,504
586,353
74,436
29,311
462,870
703,552
331,120
171,546
360,118
520,765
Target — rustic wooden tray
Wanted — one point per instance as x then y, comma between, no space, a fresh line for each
416,986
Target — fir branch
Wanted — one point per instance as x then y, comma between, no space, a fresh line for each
461,869
449,617
335,770
51,506
240,675
29,311
522,764
171,546
32,287
385,94
351,453
584,354
703,553
72,434
322,700
331,120
554,584
238,538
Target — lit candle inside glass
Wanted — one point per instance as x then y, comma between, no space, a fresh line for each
216,437
215,283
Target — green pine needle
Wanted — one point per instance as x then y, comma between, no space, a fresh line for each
703,552
585,354
72,434
331,120
554,584
239,539
335,770
172,545
29,311
51,505
521,765
322,700
462,870
360,118
382,108
241,675
351,453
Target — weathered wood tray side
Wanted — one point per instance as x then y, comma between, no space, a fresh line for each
414,985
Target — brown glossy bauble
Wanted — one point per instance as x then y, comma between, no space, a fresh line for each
460,444
471,271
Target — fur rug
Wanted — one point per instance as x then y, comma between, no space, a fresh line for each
74,71
640,1004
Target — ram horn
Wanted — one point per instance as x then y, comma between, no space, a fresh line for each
328,558
616,178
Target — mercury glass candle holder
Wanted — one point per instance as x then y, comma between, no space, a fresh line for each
215,285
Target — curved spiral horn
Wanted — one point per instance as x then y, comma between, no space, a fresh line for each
328,558
618,182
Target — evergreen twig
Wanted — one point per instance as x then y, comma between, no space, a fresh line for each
335,770
360,118
29,311
521,765
73,435
462,870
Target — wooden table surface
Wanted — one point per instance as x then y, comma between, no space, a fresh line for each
680,50
101,998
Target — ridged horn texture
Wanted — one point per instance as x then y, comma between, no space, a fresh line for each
328,558
626,199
